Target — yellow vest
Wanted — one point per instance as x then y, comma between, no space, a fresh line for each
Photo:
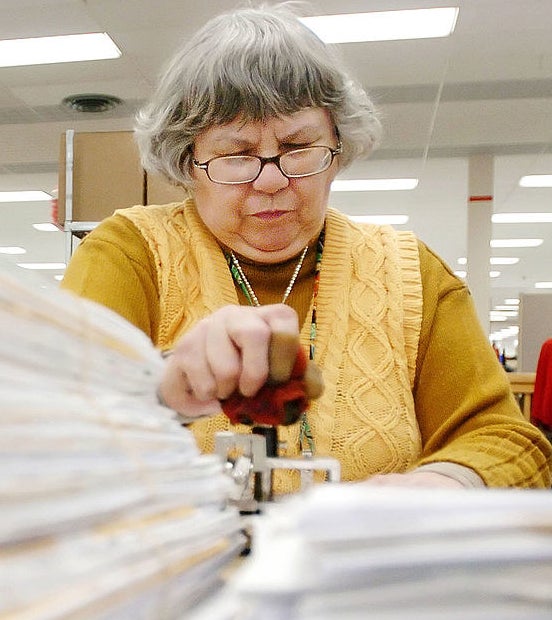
369,314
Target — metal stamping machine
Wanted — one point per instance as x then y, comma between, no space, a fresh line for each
251,459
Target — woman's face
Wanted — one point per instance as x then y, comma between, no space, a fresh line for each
272,218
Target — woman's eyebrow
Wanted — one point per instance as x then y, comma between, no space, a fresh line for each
305,132
229,140
308,133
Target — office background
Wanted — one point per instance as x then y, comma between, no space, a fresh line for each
485,90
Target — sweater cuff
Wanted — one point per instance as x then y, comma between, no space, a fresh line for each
465,475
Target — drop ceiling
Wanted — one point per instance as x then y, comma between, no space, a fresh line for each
487,89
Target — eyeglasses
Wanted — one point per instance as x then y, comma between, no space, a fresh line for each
236,169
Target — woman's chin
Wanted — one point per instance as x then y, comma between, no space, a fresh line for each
269,252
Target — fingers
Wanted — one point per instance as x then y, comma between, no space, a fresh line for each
278,322
247,334
280,318
225,352
175,392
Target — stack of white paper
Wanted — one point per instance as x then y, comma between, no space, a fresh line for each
351,551
107,508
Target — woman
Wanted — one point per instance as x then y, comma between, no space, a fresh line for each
255,117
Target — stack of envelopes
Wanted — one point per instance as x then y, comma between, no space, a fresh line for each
351,551
107,508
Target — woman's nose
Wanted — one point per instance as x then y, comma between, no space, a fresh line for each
271,179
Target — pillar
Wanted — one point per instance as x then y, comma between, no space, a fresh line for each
480,211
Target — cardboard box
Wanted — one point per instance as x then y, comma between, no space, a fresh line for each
106,175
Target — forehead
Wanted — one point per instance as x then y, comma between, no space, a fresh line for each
311,123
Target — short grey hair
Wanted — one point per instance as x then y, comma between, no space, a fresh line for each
253,63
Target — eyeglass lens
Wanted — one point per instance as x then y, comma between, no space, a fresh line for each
244,168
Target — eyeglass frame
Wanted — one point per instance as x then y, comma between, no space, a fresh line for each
270,160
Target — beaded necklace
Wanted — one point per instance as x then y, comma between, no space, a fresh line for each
306,439
240,277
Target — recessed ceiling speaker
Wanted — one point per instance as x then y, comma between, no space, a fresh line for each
91,102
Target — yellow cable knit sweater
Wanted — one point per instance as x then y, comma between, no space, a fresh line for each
365,417
402,388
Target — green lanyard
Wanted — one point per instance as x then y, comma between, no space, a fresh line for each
306,440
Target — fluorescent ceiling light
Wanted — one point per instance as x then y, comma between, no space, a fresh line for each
501,316
512,301
494,260
380,219
42,265
372,185
64,48
24,196
384,25
507,308
511,329
543,284
521,218
516,243
46,227
463,274
536,180
504,260
12,249
505,332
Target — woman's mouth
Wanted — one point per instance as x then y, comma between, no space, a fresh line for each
270,215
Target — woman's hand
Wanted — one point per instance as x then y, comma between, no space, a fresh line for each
225,352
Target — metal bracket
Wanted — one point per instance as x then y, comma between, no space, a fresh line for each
245,456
